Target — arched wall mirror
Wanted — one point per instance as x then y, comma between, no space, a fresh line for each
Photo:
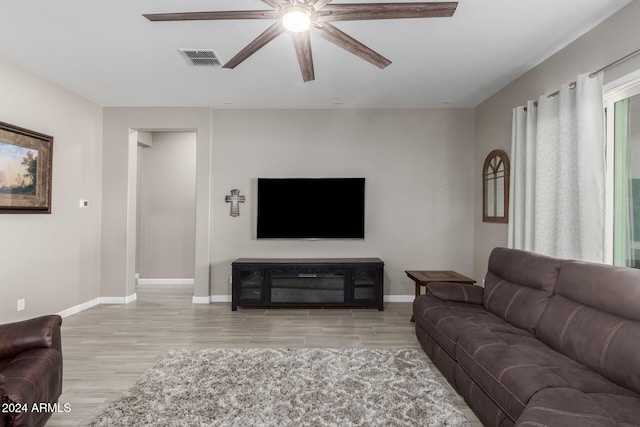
495,187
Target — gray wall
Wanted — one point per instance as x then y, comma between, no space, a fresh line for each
53,261
418,166
611,40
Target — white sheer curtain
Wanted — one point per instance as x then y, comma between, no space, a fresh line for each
558,173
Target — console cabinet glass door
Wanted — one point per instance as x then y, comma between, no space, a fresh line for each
366,284
307,286
251,285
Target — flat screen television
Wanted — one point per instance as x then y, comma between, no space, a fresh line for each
310,208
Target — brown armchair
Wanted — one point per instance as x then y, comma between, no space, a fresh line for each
30,370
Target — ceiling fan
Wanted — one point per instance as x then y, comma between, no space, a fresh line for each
302,16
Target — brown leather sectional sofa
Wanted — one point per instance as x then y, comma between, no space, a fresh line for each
30,370
546,342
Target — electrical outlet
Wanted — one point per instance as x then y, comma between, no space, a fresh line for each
21,304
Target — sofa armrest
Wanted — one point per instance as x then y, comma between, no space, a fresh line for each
39,332
456,292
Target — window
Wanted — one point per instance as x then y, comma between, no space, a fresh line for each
623,174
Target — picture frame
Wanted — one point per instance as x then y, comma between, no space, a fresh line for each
495,187
26,159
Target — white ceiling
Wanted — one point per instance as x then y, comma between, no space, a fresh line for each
107,52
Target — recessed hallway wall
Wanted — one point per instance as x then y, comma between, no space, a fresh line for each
166,206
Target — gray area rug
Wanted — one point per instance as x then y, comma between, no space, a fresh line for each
287,387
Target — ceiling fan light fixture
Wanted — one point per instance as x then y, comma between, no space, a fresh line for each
299,16
296,19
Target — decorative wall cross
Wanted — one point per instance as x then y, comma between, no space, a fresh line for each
235,199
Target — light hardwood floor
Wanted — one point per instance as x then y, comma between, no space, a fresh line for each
107,347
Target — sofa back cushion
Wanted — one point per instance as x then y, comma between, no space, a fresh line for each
594,318
519,285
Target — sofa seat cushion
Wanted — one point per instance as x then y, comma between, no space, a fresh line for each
572,408
513,367
33,376
445,320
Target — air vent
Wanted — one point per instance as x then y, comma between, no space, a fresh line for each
201,57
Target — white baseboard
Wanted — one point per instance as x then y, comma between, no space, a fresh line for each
119,300
78,308
96,301
211,298
201,300
399,298
166,282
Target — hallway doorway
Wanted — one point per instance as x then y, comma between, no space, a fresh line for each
165,211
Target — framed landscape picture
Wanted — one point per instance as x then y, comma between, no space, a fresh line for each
25,170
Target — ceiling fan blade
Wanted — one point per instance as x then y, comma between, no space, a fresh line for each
302,43
270,33
362,11
319,4
345,41
273,3
211,16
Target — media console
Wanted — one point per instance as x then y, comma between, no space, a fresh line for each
315,282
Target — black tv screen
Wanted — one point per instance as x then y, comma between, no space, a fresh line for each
310,208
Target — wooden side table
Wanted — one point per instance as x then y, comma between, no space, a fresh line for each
424,277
